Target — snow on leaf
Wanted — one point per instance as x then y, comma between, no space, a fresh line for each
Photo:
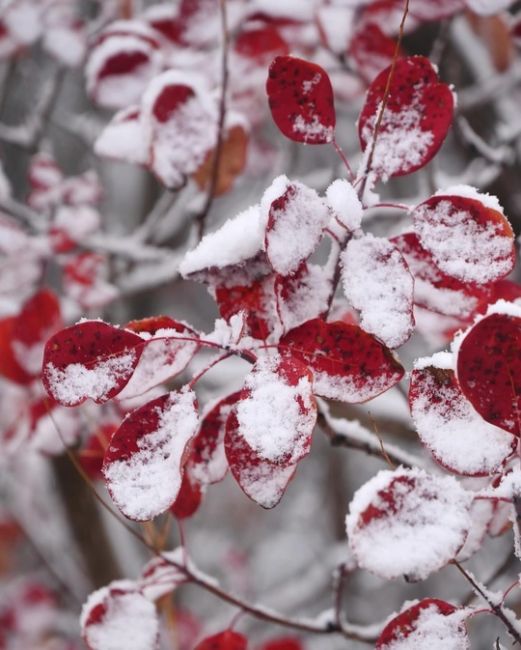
430,624
433,289
124,137
295,226
378,284
261,480
343,200
467,235
121,63
208,460
489,368
277,412
348,364
164,356
448,425
89,360
143,466
227,640
181,116
162,574
119,616
301,100
415,121
482,513
408,523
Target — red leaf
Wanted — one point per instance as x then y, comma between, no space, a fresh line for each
416,119
119,616
227,640
372,50
89,360
408,523
286,643
378,284
207,460
261,480
188,498
143,466
261,44
447,424
429,623
9,366
433,289
489,369
348,364
92,453
296,221
467,235
301,100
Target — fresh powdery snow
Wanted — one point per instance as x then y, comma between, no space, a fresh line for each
401,143
276,419
118,616
237,240
448,425
265,483
378,284
343,199
76,382
145,482
124,137
408,523
433,630
297,218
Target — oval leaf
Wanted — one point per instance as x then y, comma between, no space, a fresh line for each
468,237
489,369
378,284
227,640
457,436
431,623
89,360
143,466
408,523
348,364
417,116
301,100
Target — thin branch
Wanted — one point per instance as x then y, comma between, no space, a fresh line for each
201,217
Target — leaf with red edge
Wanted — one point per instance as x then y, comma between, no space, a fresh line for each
23,336
417,116
189,497
119,616
447,424
301,100
433,289
89,360
276,412
296,221
124,137
348,364
372,50
467,235
378,284
181,115
207,458
227,640
430,623
143,466
489,368
163,574
165,353
408,523
260,43
125,56
261,480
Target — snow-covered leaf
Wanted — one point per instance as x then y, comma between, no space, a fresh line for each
408,523
378,284
415,121
143,465
348,364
